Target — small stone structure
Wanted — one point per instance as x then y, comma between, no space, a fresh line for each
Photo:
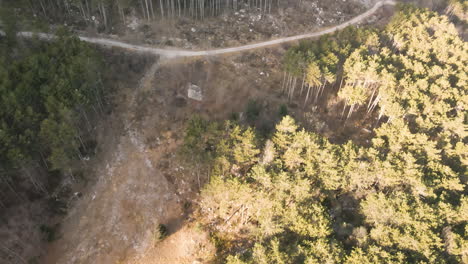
194,92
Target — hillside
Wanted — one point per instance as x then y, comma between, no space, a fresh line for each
204,132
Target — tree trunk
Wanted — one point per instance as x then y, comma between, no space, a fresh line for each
43,9
147,10
370,99
284,82
302,85
161,8
143,9
104,15
307,95
342,113
121,12
350,112
151,8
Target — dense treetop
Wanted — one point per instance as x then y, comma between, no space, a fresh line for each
458,8
294,197
46,90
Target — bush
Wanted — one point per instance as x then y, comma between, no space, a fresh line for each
48,232
234,116
283,110
253,110
162,230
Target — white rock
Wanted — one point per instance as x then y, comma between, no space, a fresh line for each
193,29
194,92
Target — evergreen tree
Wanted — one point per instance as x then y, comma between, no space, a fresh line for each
400,200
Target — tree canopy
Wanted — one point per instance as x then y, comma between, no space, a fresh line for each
46,91
295,197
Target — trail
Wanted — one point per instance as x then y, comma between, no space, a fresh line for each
173,53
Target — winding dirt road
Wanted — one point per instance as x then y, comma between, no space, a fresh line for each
172,53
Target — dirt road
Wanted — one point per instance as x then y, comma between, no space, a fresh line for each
172,53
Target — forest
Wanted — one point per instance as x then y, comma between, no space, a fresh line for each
282,195
106,13
49,92
292,196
